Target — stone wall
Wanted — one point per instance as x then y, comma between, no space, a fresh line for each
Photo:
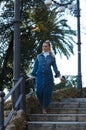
18,121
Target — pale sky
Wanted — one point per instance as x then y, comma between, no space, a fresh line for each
70,67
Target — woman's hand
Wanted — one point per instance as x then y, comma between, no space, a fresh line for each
29,78
63,80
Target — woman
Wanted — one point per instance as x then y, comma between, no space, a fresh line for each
44,76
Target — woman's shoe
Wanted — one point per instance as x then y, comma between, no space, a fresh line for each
44,111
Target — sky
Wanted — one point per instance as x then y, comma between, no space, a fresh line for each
70,67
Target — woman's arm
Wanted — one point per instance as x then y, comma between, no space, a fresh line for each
35,68
57,72
55,68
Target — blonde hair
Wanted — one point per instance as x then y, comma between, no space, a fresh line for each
50,45
48,42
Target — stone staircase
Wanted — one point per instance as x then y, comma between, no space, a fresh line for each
68,114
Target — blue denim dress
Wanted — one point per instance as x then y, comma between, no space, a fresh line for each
44,77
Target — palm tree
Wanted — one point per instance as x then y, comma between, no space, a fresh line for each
53,26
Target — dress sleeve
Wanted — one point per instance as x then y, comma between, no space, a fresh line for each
35,68
55,68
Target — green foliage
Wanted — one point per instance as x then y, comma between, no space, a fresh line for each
71,81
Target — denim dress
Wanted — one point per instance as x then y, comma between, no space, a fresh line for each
44,77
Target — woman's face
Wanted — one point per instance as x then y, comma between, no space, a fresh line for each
45,47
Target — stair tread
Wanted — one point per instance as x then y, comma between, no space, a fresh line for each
56,114
67,108
53,122
74,99
69,102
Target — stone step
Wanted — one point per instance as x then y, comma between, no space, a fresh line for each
67,110
68,105
68,114
36,125
57,117
73,100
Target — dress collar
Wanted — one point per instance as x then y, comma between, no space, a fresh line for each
45,53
